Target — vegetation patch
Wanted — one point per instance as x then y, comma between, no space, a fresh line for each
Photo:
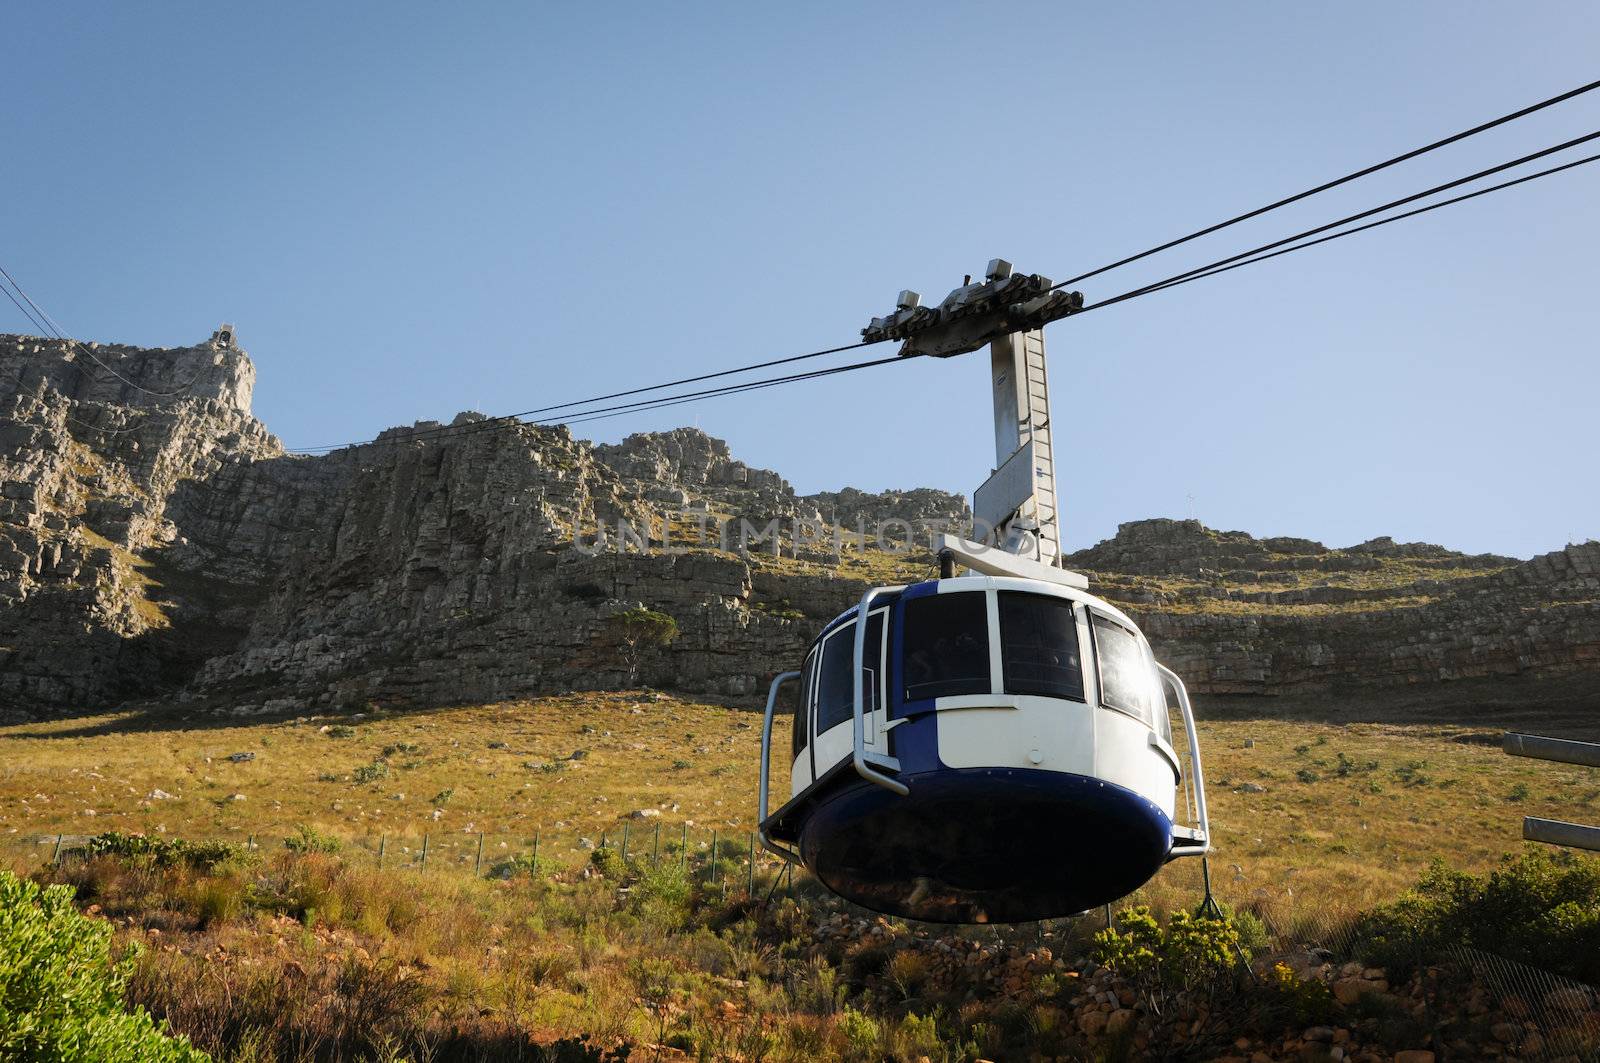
62,988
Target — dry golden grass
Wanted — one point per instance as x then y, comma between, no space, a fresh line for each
507,771
1351,812
284,944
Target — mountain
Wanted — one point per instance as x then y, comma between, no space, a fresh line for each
157,541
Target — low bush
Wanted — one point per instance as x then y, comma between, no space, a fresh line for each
1539,907
61,990
307,839
1301,1001
661,895
163,852
370,772
609,863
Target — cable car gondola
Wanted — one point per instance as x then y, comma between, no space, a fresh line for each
995,746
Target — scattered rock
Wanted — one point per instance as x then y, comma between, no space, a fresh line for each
1413,1055
240,758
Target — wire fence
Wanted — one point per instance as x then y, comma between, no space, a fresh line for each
725,859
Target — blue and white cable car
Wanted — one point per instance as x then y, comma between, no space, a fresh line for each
996,746
984,749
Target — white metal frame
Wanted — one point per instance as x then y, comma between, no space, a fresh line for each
858,753
766,768
1194,841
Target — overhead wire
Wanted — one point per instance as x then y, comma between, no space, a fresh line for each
53,330
518,417
588,415
502,423
1446,186
1346,179
75,420
1262,253
1198,273
1212,272
1197,234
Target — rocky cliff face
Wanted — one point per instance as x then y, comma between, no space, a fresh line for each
164,544
1238,615
93,443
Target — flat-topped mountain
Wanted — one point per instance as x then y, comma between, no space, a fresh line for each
165,544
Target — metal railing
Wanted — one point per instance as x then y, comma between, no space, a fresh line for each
767,843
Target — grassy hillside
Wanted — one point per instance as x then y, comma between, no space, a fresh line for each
1357,810
316,950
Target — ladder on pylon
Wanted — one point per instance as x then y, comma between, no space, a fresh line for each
1036,428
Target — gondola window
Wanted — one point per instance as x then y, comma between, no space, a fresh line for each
1039,646
1124,671
946,646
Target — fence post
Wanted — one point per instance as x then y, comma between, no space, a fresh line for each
55,857
250,843
750,873
424,849
713,858
535,852
383,843
624,843
602,839
477,868
683,851
655,848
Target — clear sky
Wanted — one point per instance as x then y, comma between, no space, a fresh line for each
411,209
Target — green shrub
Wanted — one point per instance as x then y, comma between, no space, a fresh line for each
609,863
163,852
661,895
514,866
61,991
340,730
917,1037
860,1034
371,772
1411,773
1192,951
1302,1002
1540,908
307,839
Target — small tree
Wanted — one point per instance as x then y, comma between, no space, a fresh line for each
632,631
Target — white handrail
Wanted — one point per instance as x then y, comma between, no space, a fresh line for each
857,687
1198,773
766,769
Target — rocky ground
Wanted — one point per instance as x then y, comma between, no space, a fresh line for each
1449,1011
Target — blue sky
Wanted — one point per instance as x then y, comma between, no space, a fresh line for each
412,209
